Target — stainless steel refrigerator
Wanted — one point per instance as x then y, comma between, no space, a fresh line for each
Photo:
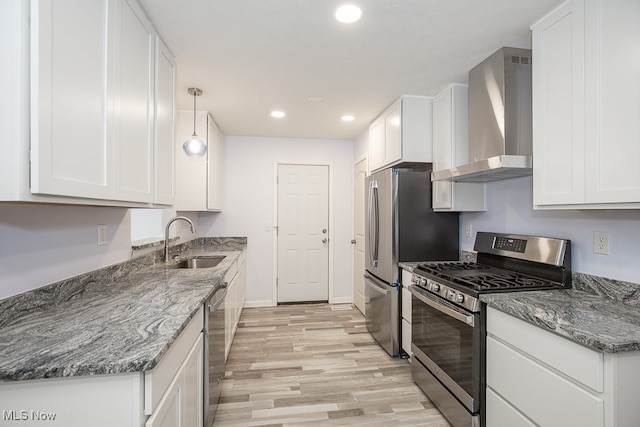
400,226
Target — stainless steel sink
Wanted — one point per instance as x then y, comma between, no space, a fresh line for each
198,262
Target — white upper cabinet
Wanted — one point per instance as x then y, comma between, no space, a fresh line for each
93,124
586,104
402,133
70,152
214,170
198,179
450,148
165,110
132,93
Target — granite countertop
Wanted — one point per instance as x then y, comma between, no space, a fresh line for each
106,327
595,321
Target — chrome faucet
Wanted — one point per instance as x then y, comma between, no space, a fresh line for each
166,233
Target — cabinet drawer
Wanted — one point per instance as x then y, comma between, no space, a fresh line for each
576,361
501,414
544,396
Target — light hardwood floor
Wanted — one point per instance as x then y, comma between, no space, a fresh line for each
316,365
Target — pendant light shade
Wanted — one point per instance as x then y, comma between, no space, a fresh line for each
194,145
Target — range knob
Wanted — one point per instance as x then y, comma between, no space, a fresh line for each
451,295
435,287
460,299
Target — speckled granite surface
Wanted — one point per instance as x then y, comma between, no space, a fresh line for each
600,313
121,318
606,321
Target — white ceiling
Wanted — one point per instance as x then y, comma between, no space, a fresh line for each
252,56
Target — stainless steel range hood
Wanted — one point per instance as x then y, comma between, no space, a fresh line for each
500,126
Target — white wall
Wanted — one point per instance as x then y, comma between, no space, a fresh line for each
248,197
361,146
510,209
41,244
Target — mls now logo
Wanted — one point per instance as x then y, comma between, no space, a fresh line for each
24,415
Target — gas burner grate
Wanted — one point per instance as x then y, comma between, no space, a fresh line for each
506,281
451,266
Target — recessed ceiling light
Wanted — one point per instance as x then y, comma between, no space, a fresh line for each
313,99
348,13
277,114
347,118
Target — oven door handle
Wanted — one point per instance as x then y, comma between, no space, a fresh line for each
443,307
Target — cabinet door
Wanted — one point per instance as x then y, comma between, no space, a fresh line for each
558,107
393,133
182,403
214,171
132,91
70,152
229,326
164,135
612,101
442,147
193,383
376,145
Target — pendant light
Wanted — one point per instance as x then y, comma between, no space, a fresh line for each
194,146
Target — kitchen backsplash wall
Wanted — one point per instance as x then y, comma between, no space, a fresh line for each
510,210
43,244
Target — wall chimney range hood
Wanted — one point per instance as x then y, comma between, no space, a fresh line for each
500,124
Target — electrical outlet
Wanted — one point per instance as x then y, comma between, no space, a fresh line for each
601,242
468,230
102,234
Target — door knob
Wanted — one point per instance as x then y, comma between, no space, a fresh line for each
324,231
324,240
353,241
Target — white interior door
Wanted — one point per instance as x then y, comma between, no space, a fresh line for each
303,233
359,175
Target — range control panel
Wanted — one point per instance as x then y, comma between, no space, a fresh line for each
510,244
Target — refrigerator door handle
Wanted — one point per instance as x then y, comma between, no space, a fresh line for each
374,223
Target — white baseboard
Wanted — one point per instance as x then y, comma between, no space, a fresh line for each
342,300
269,303
265,303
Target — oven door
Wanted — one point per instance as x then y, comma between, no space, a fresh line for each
447,342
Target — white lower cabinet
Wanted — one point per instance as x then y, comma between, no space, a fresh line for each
234,300
406,312
171,394
537,378
182,403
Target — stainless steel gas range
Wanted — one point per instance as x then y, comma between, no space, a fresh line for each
448,319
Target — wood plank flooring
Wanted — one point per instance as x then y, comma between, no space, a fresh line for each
316,365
